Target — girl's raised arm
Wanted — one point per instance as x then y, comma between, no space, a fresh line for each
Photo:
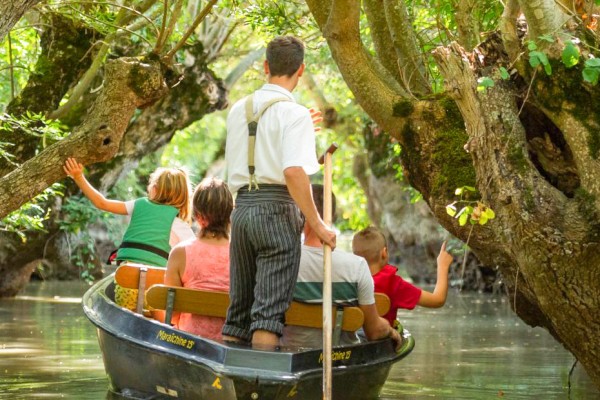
75,171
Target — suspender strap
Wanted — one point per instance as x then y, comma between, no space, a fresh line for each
252,120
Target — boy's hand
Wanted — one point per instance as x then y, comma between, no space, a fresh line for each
316,118
444,258
73,168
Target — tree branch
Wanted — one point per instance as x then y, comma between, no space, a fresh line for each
382,39
410,62
374,88
543,17
508,29
243,66
129,83
167,58
468,29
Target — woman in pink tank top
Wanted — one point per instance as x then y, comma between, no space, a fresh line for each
203,262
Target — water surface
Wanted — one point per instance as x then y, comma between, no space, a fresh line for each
474,348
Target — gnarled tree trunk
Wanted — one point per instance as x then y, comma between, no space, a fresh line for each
533,148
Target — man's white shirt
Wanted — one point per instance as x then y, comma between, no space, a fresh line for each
285,138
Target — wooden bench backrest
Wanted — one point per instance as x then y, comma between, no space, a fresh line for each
139,276
383,303
214,304
128,275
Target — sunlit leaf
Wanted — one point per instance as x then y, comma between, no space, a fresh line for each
504,73
483,83
462,220
570,55
451,210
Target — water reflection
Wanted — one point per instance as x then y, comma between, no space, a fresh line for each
475,348
48,349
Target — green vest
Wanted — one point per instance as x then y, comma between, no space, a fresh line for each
150,225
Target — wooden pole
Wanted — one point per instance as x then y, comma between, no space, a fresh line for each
327,290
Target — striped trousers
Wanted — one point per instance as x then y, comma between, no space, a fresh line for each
264,258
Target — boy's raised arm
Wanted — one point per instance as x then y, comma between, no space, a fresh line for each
75,171
438,297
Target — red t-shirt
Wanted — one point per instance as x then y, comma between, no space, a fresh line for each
401,293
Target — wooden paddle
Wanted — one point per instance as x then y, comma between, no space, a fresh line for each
325,159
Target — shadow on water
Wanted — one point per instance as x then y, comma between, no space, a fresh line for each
474,348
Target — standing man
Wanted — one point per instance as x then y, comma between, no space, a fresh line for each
270,152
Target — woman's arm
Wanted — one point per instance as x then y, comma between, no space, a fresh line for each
175,266
75,171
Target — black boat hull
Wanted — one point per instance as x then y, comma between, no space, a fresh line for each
149,360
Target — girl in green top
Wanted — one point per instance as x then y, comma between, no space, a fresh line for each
158,221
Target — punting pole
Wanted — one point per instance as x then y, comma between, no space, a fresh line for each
325,159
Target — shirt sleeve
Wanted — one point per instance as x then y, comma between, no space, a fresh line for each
180,231
299,145
129,206
406,295
366,287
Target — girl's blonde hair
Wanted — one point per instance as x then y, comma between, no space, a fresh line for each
214,203
171,186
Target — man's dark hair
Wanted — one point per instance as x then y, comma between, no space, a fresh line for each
318,193
285,54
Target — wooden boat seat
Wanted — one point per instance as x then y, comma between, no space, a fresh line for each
139,276
215,304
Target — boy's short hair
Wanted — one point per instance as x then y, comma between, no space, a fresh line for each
285,54
318,194
368,244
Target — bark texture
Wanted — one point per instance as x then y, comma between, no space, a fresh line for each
64,57
11,12
530,146
199,93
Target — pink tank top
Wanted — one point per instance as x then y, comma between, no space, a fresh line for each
206,268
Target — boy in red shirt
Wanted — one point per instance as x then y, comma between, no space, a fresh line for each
371,245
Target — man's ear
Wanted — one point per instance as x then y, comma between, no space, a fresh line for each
266,68
301,70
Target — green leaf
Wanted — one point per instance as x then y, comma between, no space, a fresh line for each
451,210
570,55
504,73
483,83
591,75
469,188
547,38
593,62
482,219
462,220
458,191
536,58
531,46
489,213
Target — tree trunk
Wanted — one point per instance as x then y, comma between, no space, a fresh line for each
11,12
533,149
65,55
199,93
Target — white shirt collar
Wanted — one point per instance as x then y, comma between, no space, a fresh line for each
276,88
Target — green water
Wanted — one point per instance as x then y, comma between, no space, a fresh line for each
474,348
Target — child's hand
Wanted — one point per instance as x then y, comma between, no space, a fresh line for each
316,118
444,258
73,168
